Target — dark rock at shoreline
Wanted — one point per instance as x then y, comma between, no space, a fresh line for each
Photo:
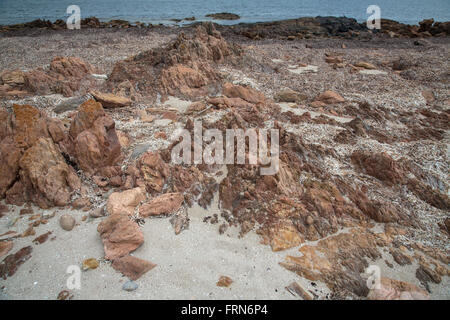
306,27
223,16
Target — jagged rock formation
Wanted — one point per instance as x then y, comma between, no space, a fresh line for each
186,68
65,75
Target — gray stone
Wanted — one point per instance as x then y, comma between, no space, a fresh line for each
140,149
69,104
130,286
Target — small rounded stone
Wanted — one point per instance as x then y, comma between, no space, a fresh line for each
130,286
67,222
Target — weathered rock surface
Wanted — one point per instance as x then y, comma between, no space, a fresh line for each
12,262
109,100
120,236
124,202
165,204
66,75
330,97
5,247
132,267
185,68
397,290
95,143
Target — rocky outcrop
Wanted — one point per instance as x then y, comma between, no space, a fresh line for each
379,165
94,142
65,75
45,177
185,68
32,166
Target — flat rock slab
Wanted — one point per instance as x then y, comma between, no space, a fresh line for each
373,72
302,70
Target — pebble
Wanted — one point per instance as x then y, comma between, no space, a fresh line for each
67,222
130,286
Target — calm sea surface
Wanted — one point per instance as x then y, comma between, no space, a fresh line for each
161,11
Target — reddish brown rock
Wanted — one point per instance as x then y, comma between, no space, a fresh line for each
245,93
42,238
378,165
132,267
165,204
45,177
153,171
337,260
5,247
330,97
29,124
109,100
391,289
223,102
120,236
124,202
365,65
185,68
11,263
224,281
66,76
9,164
95,142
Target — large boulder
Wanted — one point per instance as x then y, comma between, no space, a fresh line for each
46,178
28,125
95,143
109,100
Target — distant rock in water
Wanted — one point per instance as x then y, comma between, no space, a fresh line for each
223,16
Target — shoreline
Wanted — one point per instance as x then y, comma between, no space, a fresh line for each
308,27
